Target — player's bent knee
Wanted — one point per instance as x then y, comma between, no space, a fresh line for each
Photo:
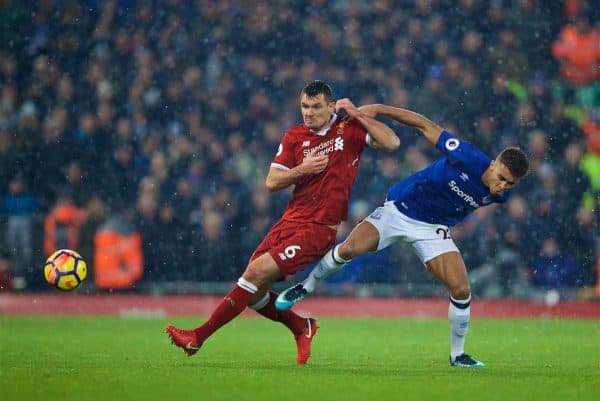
461,293
261,274
349,250
345,251
255,276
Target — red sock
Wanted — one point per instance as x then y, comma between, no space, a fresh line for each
291,319
231,306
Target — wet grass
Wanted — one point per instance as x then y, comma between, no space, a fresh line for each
102,358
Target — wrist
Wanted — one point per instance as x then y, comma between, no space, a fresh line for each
297,172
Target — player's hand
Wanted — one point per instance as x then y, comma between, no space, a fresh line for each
313,164
347,105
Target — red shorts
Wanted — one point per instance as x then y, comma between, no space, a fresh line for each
295,245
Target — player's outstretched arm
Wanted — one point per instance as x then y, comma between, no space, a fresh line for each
428,128
382,136
278,179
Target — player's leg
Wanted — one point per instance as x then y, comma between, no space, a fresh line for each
264,303
304,329
364,238
294,248
260,273
449,268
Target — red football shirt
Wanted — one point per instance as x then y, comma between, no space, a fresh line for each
322,198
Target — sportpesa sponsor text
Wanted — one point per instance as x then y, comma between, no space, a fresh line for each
461,194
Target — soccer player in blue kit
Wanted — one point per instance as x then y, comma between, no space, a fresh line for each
420,210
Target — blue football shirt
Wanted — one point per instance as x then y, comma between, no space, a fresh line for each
450,188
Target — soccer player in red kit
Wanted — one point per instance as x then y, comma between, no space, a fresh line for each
320,158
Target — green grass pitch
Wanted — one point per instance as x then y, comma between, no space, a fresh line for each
105,358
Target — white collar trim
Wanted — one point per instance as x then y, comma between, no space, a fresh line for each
324,130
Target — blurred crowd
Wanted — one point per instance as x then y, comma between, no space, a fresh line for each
140,132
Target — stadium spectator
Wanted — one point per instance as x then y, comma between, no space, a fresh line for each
8,98
420,211
62,224
582,242
97,211
320,159
537,146
499,102
485,129
553,269
76,183
6,278
118,257
574,183
538,93
207,247
591,129
120,176
257,219
590,164
171,245
561,130
578,51
51,153
502,272
19,206
146,224
8,155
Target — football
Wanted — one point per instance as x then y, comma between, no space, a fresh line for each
65,269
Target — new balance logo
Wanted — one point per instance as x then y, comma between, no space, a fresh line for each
305,144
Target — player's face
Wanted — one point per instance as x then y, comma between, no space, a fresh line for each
316,112
499,178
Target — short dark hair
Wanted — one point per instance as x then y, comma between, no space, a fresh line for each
515,160
316,87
